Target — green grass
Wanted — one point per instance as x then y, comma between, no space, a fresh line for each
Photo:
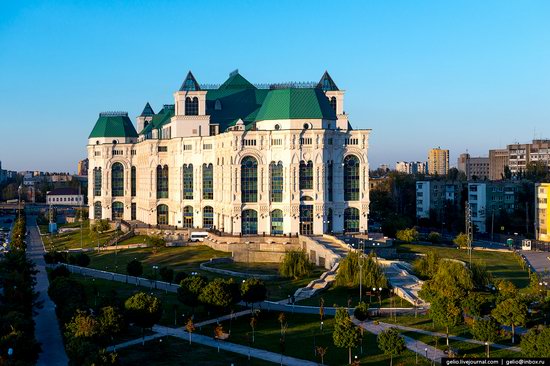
174,351
500,264
72,240
302,333
257,268
342,296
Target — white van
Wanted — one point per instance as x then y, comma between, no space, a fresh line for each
198,236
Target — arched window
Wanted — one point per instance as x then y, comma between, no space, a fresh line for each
333,103
277,222
162,181
250,222
207,217
117,180
330,166
162,215
188,217
329,220
249,179
188,182
117,212
133,181
351,178
192,106
306,175
276,181
351,220
98,211
207,182
97,182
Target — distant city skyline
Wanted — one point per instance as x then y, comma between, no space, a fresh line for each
466,76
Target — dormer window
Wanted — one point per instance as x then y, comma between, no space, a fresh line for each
218,105
333,103
191,106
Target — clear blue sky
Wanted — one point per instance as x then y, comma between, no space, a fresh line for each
457,74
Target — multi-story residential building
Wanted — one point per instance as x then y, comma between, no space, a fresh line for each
498,160
245,159
82,168
411,167
520,155
474,167
438,161
542,199
540,151
3,174
433,197
489,198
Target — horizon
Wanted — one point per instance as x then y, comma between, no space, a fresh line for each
468,77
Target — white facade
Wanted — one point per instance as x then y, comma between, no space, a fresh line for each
477,197
190,143
64,199
423,199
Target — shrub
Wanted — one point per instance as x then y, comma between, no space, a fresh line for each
434,237
349,271
166,274
361,311
295,265
59,271
134,268
79,259
407,235
190,289
253,290
220,294
180,276
461,240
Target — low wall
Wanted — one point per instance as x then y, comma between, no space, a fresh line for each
319,254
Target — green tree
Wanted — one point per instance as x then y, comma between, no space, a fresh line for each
253,290
144,310
82,325
485,330
426,266
391,343
295,265
535,343
506,289
511,312
134,268
407,235
190,289
434,237
446,313
80,259
480,276
349,272
452,280
166,274
461,240
346,334
157,242
111,322
361,311
473,303
220,294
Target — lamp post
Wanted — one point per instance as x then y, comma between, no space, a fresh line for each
19,202
361,261
487,346
155,268
426,351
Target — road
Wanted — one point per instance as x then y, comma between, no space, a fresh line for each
539,261
47,328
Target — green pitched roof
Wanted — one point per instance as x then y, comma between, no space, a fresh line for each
236,81
113,125
160,119
295,104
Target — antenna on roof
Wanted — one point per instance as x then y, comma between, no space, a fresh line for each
234,72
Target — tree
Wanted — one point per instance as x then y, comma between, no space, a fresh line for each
485,330
166,274
445,312
511,312
111,322
391,343
346,334
190,289
157,242
361,311
349,272
506,289
461,240
180,276
59,271
253,323
452,280
80,259
434,237
190,328
134,268
321,351
407,235
295,265
535,342
253,290
426,266
473,303
282,321
480,276
144,310
82,325
220,294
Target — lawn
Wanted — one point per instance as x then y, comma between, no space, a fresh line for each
258,268
170,351
342,296
500,264
303,333
72,240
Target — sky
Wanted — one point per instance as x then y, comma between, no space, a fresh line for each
464,75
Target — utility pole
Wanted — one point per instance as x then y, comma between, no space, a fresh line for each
469,230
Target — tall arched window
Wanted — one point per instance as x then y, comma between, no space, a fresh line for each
162,181
330,175
277,222
207,217
276,181
188,217
306,175
162,215
117,180
133,182
333,103
192,106
351,178
249,179
207,182
117,212
97,182
98,211
351,220
329,220
250,222
188,182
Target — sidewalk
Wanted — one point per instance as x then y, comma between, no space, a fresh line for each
47,328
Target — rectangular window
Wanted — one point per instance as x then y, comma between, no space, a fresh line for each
133,214
132,152
305,141
187,147
163,149
207,182
207,146
276,142
329,181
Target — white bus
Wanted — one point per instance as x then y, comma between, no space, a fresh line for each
198,236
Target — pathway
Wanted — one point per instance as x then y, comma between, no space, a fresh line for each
47,328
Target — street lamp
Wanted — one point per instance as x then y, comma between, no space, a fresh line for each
487,346
426,350
155,275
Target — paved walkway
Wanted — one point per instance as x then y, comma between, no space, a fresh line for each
412,344
47,328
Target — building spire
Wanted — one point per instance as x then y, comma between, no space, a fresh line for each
190,83
326,83
147,111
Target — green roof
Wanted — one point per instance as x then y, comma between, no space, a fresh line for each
160,119
236,81
113,125
295,104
